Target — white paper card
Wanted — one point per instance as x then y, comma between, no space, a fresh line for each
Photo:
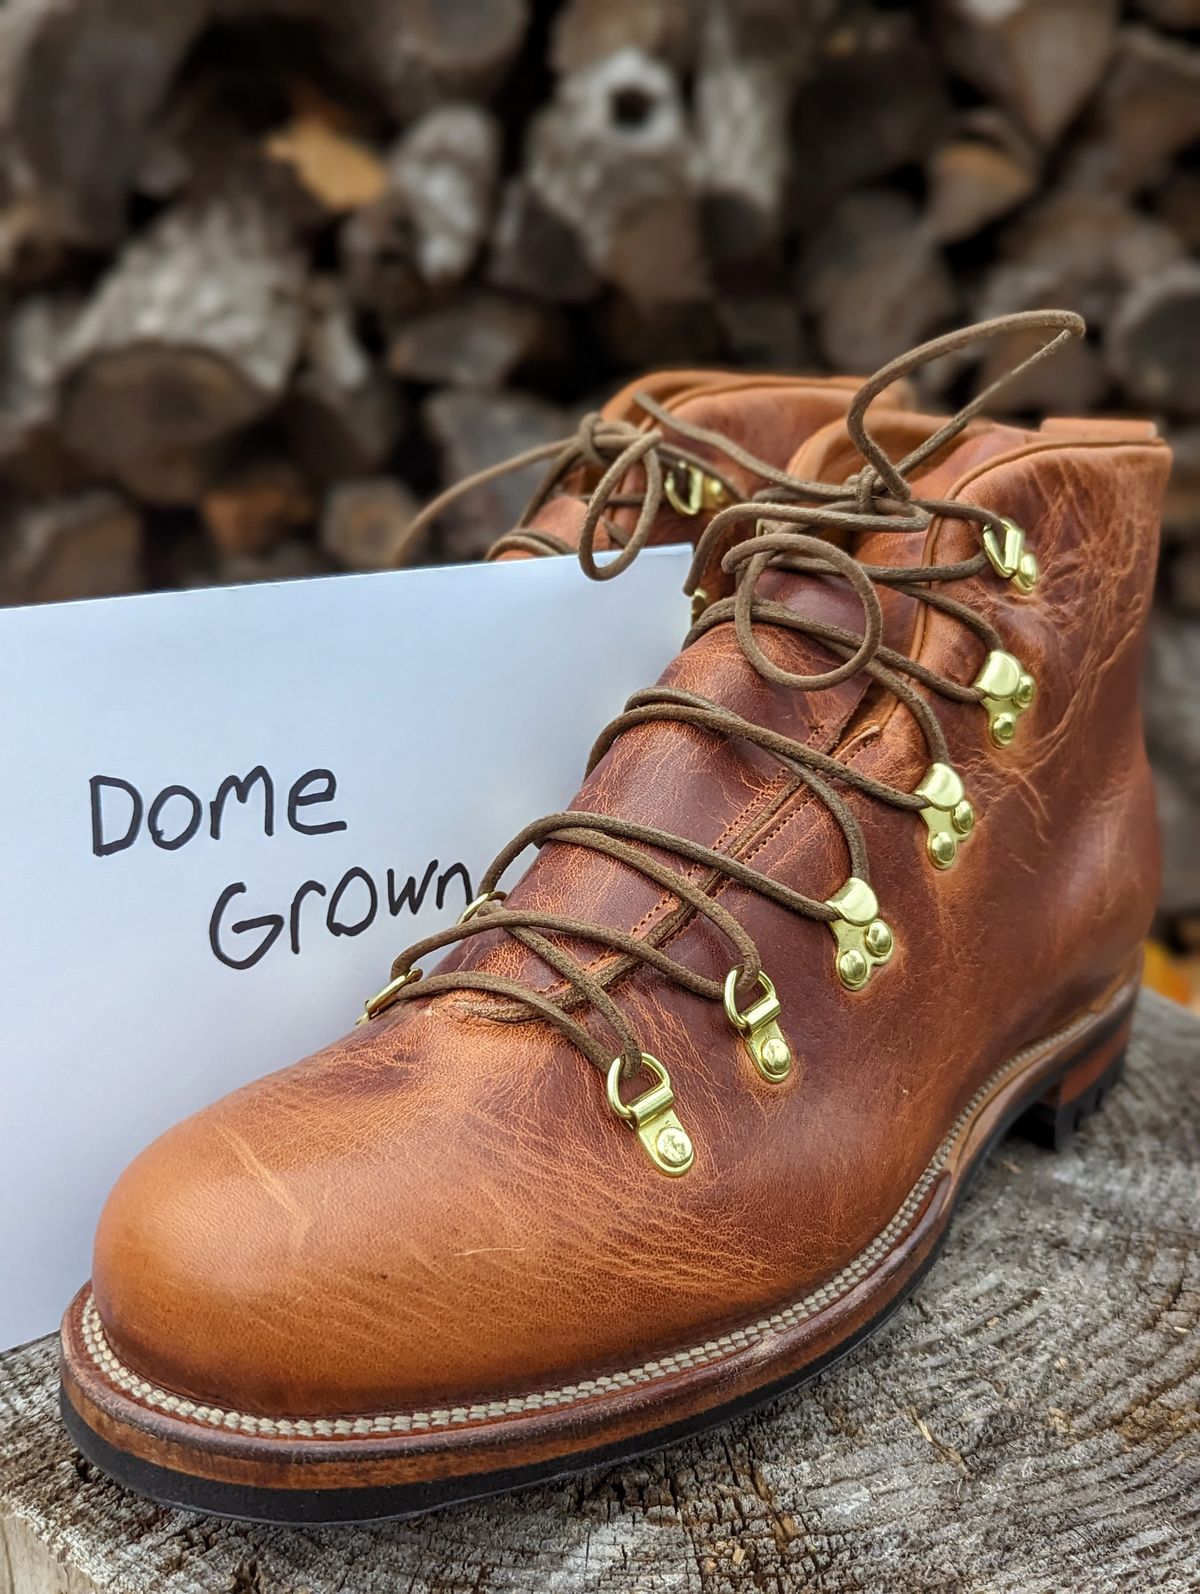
404,725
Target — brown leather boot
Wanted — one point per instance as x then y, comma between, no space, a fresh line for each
858,886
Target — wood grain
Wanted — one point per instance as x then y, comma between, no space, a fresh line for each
1029,1422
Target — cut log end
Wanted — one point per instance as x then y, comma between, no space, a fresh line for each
146,400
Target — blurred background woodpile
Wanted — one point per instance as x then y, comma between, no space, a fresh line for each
271,271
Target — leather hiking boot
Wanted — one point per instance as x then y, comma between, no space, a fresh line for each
860,884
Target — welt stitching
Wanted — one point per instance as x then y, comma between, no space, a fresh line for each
126,1379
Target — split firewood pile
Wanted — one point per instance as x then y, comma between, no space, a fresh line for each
272,271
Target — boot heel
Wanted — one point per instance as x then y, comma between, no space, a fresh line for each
1053,1119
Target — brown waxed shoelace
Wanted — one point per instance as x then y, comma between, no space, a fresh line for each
878,498
613,448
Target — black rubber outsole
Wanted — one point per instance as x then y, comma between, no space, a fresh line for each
390,1502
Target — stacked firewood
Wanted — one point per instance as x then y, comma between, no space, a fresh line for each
271,271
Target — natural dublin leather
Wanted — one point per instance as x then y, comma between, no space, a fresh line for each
431,1261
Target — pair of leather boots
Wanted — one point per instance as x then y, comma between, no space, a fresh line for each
857,886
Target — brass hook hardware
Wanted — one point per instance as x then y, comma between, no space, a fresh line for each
863,938
1008,690
702,491
664,1139
699,603
382,1000
947,813
759,1029
473,907
1015,562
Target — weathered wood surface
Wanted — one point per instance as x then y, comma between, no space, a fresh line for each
1028,1422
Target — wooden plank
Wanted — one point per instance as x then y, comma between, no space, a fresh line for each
1028,1422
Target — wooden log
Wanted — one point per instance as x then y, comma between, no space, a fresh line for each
1182,571
446,167
32,252
342,416
1172,13
480,340
287,561
536,252
612,160
32,453
405,57
1172,697
744,84
985,169
1172,713
424,232
1073,383
1027,1422
763,332
1181,510
377,249
741,112
1040,59
1080,250
1153,340
1096,240
1179,824
176,478
84,545
195,134
876,102
414,54
257,506
639,337
79,84
364,522
585,31
191,335
1177,204
1147,111
875,281
473,430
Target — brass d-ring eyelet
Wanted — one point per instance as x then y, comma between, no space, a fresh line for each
382,1000
700,492
1012,559
473,907
759,1028
664,1139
